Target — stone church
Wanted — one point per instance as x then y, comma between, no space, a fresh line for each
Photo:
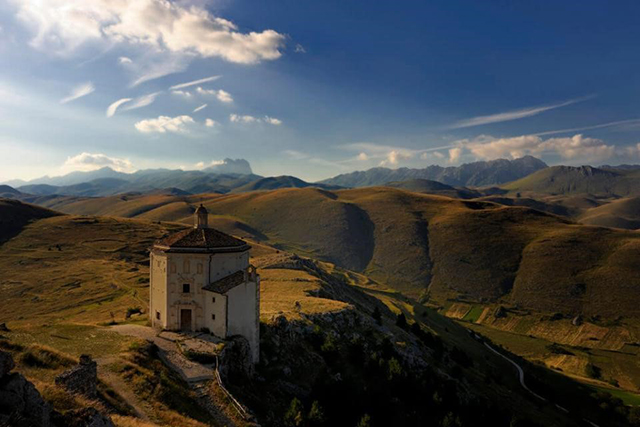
201,279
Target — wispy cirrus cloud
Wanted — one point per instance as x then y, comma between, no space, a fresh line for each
194,82
111,110
78,92
511,115
200,108
142,101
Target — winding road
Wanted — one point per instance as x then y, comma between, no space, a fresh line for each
521,378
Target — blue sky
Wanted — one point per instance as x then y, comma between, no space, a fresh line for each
314,88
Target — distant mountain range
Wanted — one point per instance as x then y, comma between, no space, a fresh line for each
474,174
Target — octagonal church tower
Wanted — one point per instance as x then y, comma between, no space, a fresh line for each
201,279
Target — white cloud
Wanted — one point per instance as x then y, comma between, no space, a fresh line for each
125,60
142,101
438,154
164,124
93,161
454,154
363,156
111,110
63,25
576,147
223,96
202,107
210,123
184,94
195,82
78,92
300,49
510,115
235,118
394,156
272,121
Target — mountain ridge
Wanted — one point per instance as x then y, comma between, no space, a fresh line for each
482,173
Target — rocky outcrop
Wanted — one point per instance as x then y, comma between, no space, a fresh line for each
86,417
235,359
82,378
20,402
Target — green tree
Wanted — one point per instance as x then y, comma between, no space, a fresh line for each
316,414
294,417
395,369
365,421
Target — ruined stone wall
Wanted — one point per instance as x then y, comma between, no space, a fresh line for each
82,378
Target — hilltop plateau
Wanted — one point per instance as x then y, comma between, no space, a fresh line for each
69,277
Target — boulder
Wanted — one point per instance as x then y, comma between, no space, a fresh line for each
6,363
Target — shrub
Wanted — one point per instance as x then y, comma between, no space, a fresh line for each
43,357
316,414
294,416
593,371
365,421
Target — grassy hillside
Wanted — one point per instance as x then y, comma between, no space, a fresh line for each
68,274
434,187
622,213
568,180
424,245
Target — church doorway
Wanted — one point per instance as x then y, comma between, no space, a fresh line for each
185,319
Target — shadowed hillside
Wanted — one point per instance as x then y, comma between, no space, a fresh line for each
14,216
424,245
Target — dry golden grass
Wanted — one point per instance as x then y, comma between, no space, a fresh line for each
415,242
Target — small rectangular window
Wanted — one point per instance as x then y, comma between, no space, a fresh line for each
158,315
213,317
186,288
213,299
199,268
186,267
173,267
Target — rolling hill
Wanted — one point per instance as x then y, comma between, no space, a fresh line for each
423,245
475,174
434,187
67,276
277,182
14,216
622,213
583,180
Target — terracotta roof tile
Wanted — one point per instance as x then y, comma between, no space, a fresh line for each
227,283
200,238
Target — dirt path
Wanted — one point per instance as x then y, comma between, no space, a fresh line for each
142,409
190,371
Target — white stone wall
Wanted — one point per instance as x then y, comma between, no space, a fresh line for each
158,291
242,315
217,325
224,264
236,313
